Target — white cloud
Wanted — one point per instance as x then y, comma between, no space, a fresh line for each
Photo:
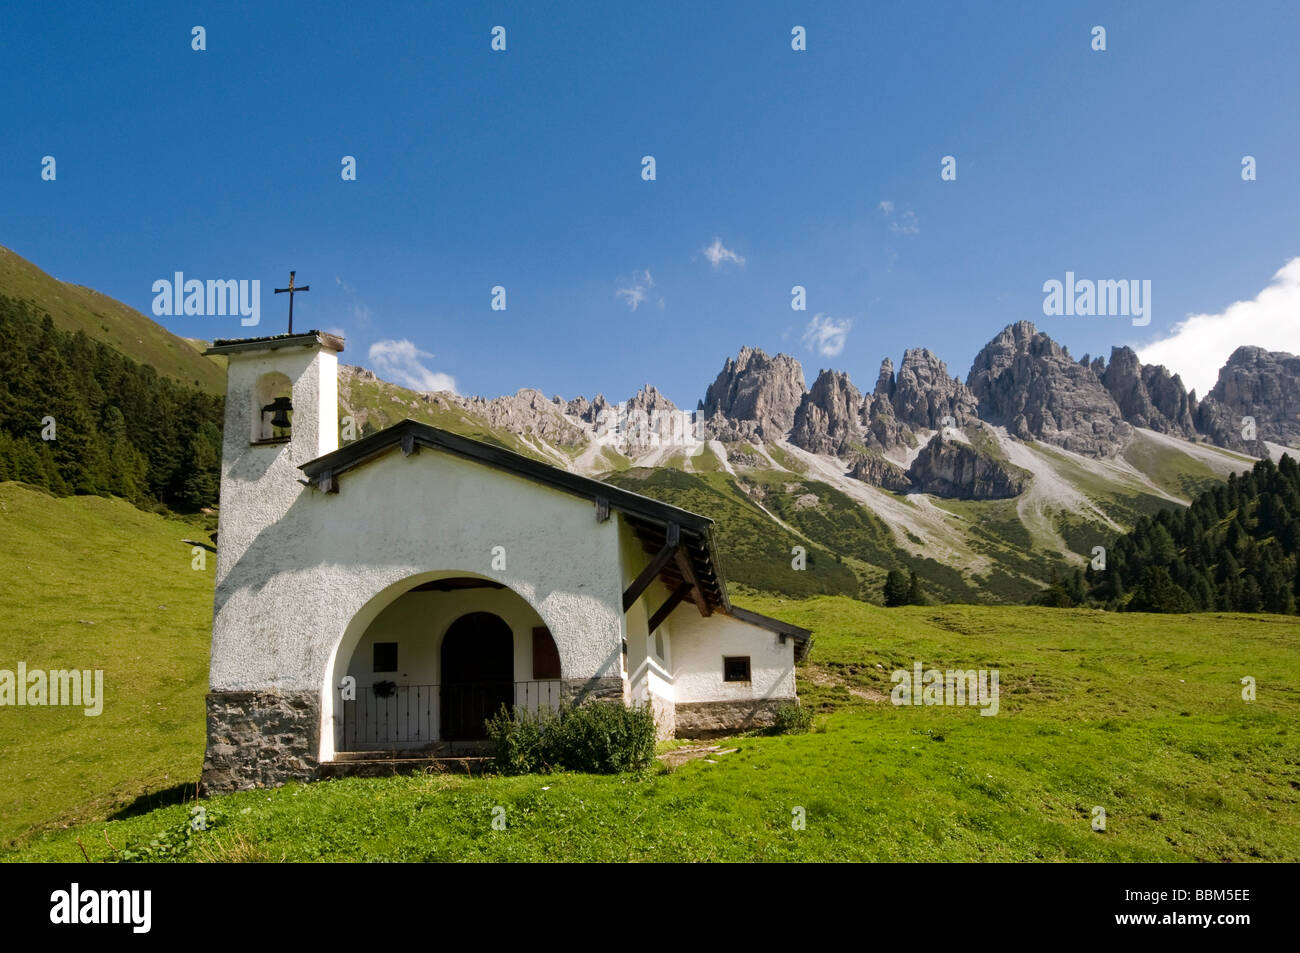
825,335
1200,344
906,224
360,311
634,296
638,290
400,362
717,254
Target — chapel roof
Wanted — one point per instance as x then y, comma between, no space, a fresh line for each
276,341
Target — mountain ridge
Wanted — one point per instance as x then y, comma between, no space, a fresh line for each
984,486
909,475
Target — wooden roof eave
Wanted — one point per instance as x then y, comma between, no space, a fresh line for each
785,630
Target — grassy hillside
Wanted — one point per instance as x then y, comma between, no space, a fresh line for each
91,583
376,404
1141,715
762,513
754,550
123,328
1183,475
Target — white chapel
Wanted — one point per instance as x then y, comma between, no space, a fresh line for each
390,594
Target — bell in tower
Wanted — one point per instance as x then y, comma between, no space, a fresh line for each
279,410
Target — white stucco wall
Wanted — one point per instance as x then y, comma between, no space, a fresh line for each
398,518
699,645
694,645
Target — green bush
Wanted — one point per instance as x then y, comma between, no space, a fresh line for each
605,738
792,719
520,739
597,737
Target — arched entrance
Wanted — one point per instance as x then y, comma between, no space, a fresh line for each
478,674
386,686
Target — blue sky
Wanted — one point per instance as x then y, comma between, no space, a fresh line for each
523,169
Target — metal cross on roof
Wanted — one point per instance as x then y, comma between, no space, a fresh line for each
292,291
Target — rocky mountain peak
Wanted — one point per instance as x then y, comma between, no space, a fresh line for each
1028,383
1253,374
1147,395
925,393
650,400
1256,383
528,411
885,380
754,396
356,372
827,419
585,410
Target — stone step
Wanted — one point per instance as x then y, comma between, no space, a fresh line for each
440,749
387,767
420,755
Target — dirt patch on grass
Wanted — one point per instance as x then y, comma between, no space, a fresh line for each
686,753
821,675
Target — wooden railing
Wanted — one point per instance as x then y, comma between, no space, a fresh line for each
388,714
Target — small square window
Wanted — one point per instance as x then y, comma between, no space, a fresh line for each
385,656
735,668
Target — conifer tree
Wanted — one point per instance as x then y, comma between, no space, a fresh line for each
896,588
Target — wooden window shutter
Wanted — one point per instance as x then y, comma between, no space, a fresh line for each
546,657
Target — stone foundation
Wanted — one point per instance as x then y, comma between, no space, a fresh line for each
602,688
265,739
710,719
260,740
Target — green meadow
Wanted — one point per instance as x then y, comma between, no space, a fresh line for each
1139,715
92,583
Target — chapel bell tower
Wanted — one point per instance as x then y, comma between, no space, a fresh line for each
281,412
